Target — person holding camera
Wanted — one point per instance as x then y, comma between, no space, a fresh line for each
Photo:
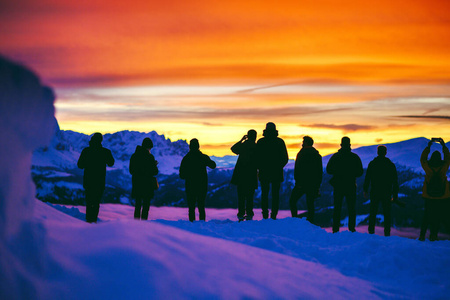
435,187
245,174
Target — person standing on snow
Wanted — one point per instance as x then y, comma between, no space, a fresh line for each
143,168
308,177
381,177
245,174
272,156
193,171
93,160
435,187
345,166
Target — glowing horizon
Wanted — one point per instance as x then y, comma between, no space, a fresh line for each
376,72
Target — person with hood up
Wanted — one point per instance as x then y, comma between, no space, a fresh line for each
345,166
93,160
245,174
308,177
435,187
193,171
381,177
272,156
143,168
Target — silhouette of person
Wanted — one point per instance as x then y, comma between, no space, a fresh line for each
93,160
381,177
272,156
193,171
308,177
345,166
143,168
245,174
435,187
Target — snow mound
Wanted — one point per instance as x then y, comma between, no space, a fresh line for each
26,122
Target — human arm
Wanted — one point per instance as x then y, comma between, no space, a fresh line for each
367,180
210,163
394,184
284,154
82,160
109,158
424,156
359,170
236,148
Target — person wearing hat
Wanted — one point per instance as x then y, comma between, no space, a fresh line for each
93,160
143,168
193,171
345,166
436,188
272,156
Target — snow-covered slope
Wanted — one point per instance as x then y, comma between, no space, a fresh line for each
284,259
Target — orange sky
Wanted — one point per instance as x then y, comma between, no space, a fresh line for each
214,69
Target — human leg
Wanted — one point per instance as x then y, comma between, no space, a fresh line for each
338,198
350,197
296,194
137,208
241,202
145,207
387,212
374,203
275,199
310,197
201,205
265,188
249,202
191,205
93,197
425,219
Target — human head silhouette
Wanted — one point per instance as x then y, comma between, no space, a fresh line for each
251,134
435,159
345,142
307,141
194,145
147,143
96,139
381,150
271,130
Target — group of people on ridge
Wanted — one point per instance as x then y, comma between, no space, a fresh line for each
264,160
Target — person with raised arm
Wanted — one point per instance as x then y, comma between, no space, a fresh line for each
245,174
435,187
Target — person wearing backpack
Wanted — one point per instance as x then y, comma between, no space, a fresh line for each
435,187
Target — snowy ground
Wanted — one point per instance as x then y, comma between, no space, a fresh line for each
120,258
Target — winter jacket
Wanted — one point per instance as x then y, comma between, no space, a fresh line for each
345,166
442,170
93,160
381,177
245,172
272,156
143,168
193,170
308,168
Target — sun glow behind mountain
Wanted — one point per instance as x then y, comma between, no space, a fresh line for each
375,71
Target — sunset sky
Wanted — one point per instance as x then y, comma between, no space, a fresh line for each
376,71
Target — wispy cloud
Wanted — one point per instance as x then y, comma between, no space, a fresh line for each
427,117
343,127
